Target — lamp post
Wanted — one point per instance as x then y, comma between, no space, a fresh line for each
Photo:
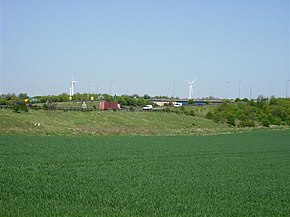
90,82
240,89
111,82
287,88
128,90
228,82
173,88
270,89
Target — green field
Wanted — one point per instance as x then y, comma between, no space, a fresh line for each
107,123
242,174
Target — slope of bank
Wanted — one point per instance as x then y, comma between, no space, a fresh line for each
107,123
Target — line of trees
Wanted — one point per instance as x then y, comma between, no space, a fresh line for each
262,111
125,100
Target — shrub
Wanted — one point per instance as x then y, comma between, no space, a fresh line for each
209,115
247,123
265,123
177,112
20,107
217,118
45,106
274,121
191,113
231,120
242,117
167,109
273,101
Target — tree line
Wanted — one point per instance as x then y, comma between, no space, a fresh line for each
125,100
250,113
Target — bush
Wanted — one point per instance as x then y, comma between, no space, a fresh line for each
177,112
217,118
167,109
231,121
265,123
45,106
192,113
274,121
131,109
242,117
20,107
209,115
247,123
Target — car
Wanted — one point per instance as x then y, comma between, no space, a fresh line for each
148,107
179,104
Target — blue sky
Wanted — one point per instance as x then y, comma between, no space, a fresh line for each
144,47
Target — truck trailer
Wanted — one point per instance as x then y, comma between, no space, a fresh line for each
104,105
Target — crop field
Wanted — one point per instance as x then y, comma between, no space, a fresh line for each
242,174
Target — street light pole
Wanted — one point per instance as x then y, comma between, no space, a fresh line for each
287,88
228,82
111,81
239,89
173,88
270,89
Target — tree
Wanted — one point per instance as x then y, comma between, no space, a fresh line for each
23,95
146,96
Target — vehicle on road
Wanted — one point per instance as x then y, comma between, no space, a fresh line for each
179,104
148,107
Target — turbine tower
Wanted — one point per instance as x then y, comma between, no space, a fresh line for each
73,83
190,83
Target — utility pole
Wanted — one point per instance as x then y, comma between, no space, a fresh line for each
286,89
270,89
226,92
239,89
33,89
173,88
111,81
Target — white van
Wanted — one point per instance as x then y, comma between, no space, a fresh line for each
179,104
148,107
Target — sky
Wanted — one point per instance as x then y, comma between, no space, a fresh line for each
234,48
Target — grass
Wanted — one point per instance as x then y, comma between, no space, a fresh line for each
245,174
107,123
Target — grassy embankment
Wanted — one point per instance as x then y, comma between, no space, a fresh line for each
109,123
227,175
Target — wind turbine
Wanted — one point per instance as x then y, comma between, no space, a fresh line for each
190,83
73,83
